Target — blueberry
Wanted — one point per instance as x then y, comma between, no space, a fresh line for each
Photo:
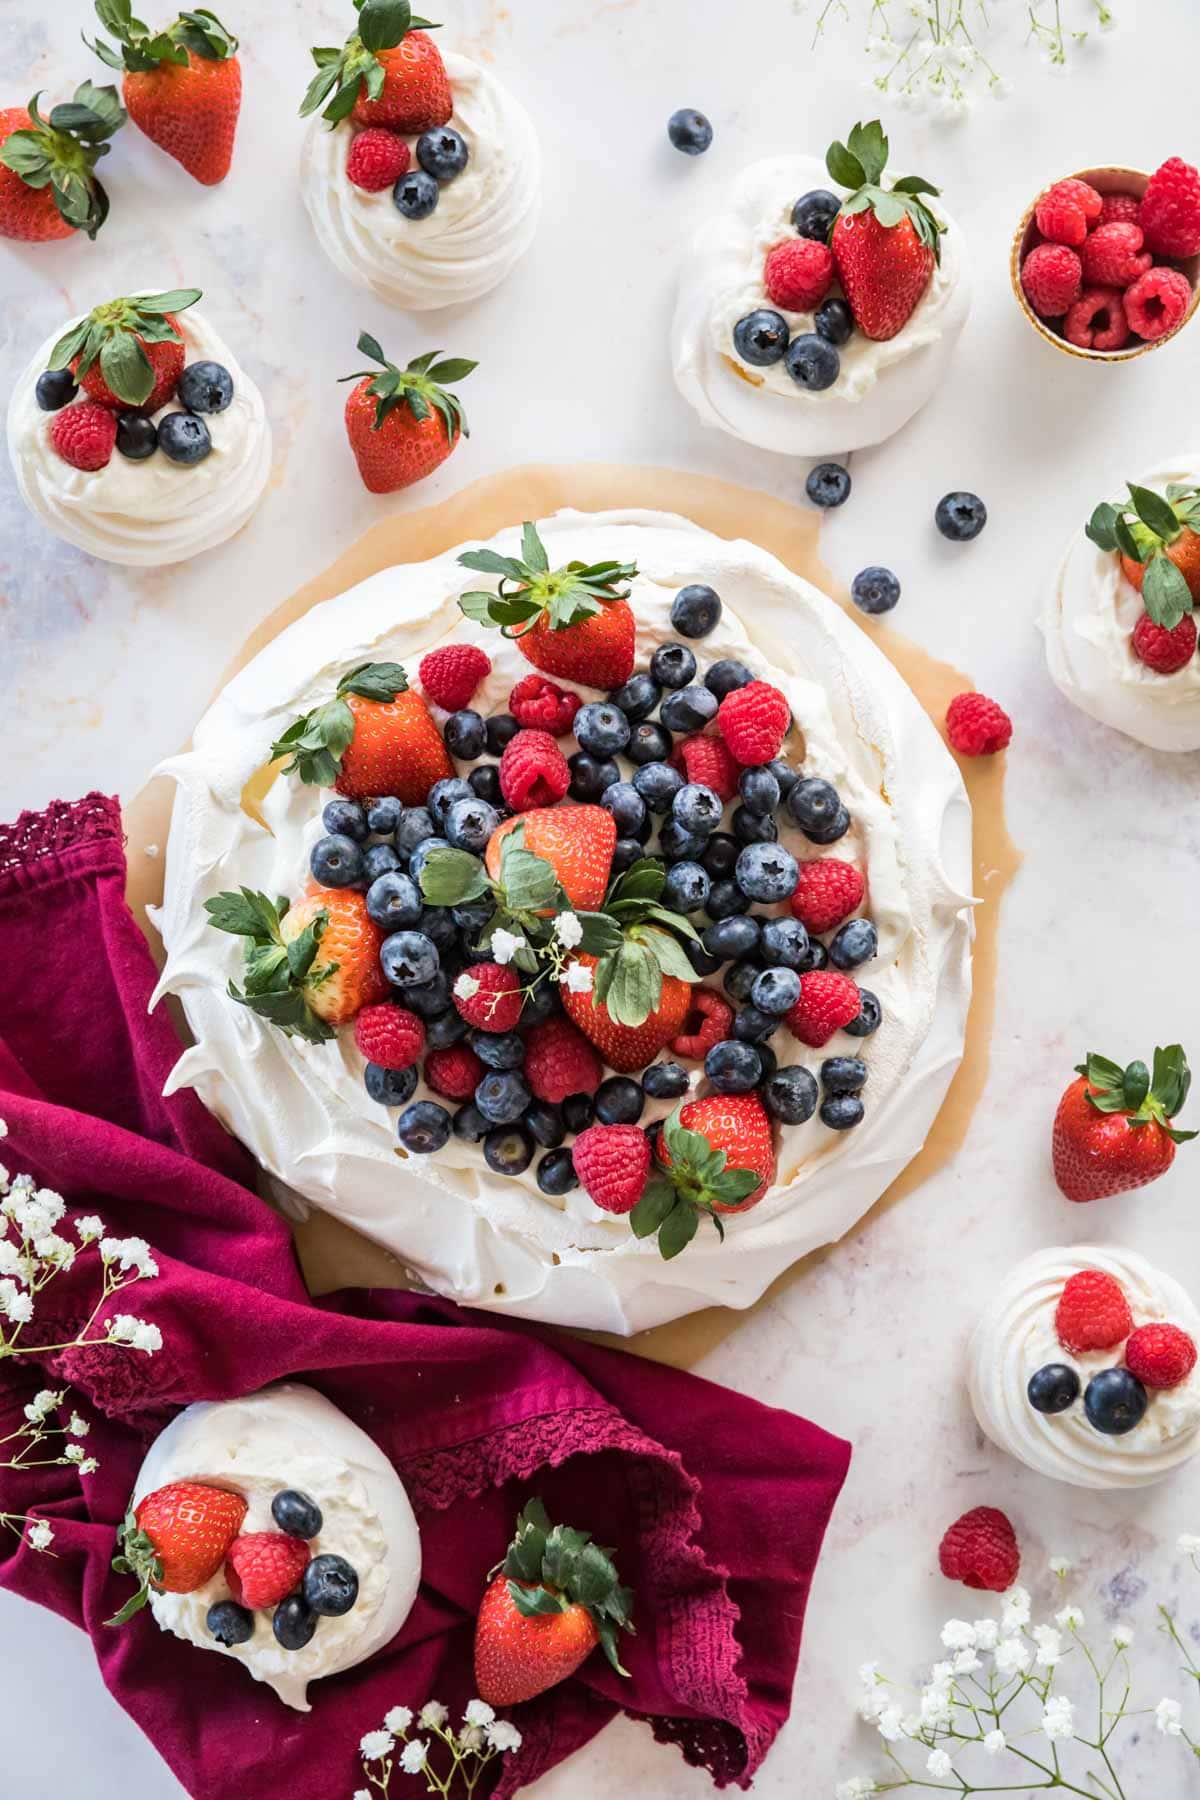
472,915
690,709
578,1112
442,796
591,776
626,805
666,1081
853,944
502,1096
828,485
383,815
753,828
442,153
649,743
657,783
416,827
393,900
815,957
687,887
842,1112
784,943
724,676
295,1514
751,1025
469,1124
785,775
875,590
346,818
544,1123
465,735
695,610
379,859
556,1173
537,1004
424,851
834,322
731,939
638,698
869,1017
137,436
499,1049
776,991
790,1094
293,1622
330,1584
205,387
725,900
484,781
740,979
429,999
673,665
602,728
502,728
817,808
619,1101
677,844
470,823
55,388
733,1068
720,854
759,790
1114,1401
812,363
415,194
689,131
960,517
626,851
508,1149
184,438
697,808
444,1029
390,1087
814,213
767,872
336,861
229,1623
408,958
439,925
769,1060
761,337
843,1074
423,1127
1053,1389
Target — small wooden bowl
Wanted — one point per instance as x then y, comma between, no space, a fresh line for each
1105,181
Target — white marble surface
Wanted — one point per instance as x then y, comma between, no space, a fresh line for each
101,672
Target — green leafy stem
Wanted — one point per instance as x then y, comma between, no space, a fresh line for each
1142,528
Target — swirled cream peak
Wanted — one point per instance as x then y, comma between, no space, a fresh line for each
292,1437
1016,1336
484,221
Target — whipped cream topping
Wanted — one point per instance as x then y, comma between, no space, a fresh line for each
292,1437
1088,623
157,511
484,221
880,385
1016,1336
498,1242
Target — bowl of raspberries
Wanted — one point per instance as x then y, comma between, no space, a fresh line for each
1106,263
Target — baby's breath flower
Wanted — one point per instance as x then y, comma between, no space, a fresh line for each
1060,1566
995,1742
376,1745
89,1228
1122,1636
505,944
503,1736
88,1466
577,978
125,1329
987,1634
55,1249
1012,1656
1058,1720
467,986
1189,1544
1070,1619
3,1129
78,1427
958,1635
432,1714
859,1787
73,1453
39,1535
478,1712
42,1405
1014,1614
129,1253
891,1724
939,1764
413,1756
1049,1646
471,1737
1168,1716
14,1305
568,930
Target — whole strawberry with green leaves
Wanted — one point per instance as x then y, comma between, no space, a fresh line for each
1113,1130
1157,537
403,423
388,73
716,1155
48,185
885,241
128,352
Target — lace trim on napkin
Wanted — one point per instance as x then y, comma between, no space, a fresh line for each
58,827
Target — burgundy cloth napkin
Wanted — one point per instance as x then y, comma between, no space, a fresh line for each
716,1505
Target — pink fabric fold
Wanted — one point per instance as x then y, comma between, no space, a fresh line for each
716,1505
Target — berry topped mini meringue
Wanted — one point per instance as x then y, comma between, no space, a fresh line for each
808,321
422,173
136,436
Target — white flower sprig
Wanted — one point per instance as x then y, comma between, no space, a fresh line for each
32,1253
478,1741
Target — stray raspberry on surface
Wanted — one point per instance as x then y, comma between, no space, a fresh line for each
981,1550
977,726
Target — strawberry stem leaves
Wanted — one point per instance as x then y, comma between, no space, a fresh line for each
679,1195
316,742
552,1567
859,164
530,589
140,50
137,1557
1143,1095
279,977
417,386
61,153
113,335
1142,528
343,74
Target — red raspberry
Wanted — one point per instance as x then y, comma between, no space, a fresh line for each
263,1567
977,726
1085,196
1098,320
827,892
493,1003
1051,277
1060,217
1161,650
1120,209
451,675
709,762
1156,303
377,160
84,435
1170,210
533,771
797,274
1092,1312
612,1162
542,705
560,1061
1161,1356
828,1001
708,1021
454,1071
981,1550
754,721
389,1035
1113,256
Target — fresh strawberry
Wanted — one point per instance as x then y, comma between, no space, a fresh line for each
754,720
1169,213
183,86
263,1567
1160,1355
533,771
387,73
389,1035
826,892
709,1020
612,1162
574,622
376,736
541,705
488,996
885,242
981,1551
402,424
559,1061
1092,1312
552,1600
1112,1130
377,160
48,186
454,1071
578,843
84,435
626,1047
128,352
176,1539
739,1126
346,975
331,970
451,675
717,1156
829,1001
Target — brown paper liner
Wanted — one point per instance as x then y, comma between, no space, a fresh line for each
331,1254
